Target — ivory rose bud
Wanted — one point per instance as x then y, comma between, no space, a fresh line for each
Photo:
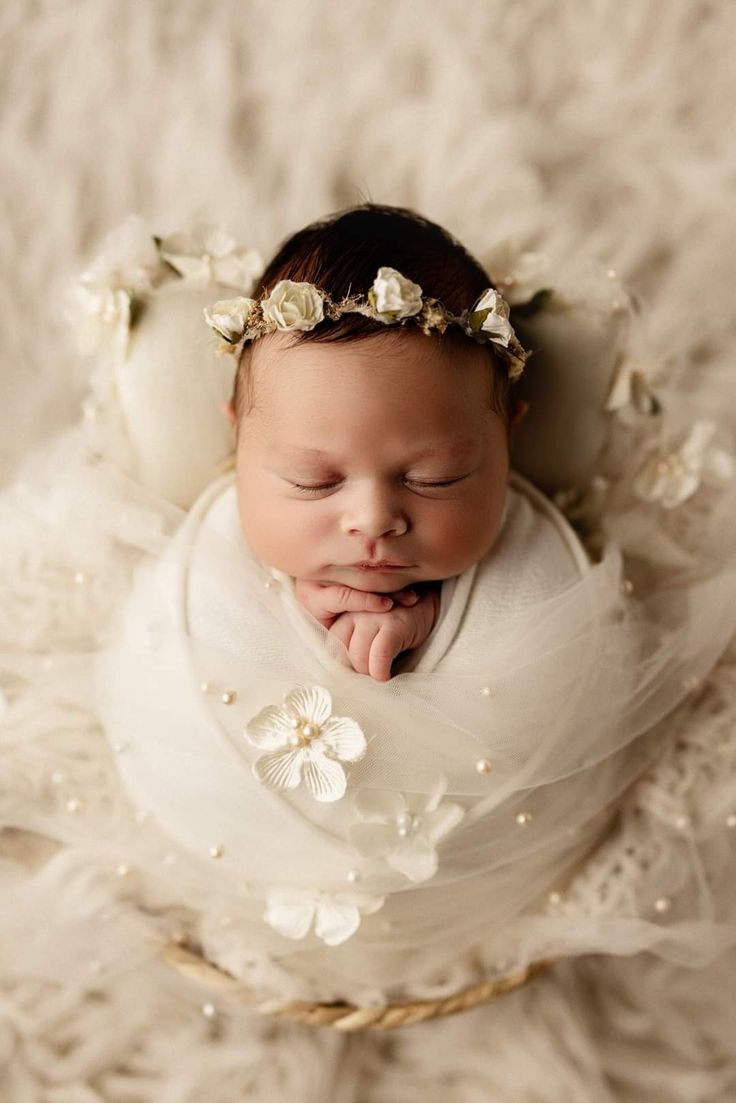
394,296
293,306
495,317
229,317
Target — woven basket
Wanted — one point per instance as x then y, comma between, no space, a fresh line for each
344,1016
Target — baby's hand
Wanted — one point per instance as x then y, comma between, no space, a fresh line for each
327,601
373,640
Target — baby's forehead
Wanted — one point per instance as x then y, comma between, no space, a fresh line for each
408,385
389,344
446,446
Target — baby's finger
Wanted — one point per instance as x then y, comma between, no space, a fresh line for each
343,628
406,597
384,649
360,644
344,599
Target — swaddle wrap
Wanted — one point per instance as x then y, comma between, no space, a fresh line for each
364,835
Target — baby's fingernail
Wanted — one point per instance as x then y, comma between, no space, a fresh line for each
385,602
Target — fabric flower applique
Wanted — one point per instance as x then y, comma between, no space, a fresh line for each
293,305
630,388
491,315
291,912
230,317
673,477
127,266
105,318
210,255
519,275
403,829
393,296
305,744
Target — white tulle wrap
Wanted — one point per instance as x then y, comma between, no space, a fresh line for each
489,770
552,773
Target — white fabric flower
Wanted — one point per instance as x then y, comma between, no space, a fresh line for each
491,315
128,261
229,317
518,275
103,318
305,744
336,917
404,829
629,387
671,478
394,296
293,306
100,305
210,255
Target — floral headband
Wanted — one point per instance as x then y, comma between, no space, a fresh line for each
392,298
134,263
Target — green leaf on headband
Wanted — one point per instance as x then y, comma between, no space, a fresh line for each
476,318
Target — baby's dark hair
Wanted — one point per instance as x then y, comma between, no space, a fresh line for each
341,255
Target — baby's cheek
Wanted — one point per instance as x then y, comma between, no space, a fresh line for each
284,533
464,538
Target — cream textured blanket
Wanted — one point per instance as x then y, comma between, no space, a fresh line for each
593,131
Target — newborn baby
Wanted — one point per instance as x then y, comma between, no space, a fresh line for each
372,460
387,826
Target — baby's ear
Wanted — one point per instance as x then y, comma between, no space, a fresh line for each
519,410
229,411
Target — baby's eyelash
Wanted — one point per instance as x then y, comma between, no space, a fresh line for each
444,482
328,486
311,489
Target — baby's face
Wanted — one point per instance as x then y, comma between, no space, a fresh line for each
383,449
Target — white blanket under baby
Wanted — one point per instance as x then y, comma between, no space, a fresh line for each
363,835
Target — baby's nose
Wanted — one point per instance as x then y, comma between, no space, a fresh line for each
374,514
